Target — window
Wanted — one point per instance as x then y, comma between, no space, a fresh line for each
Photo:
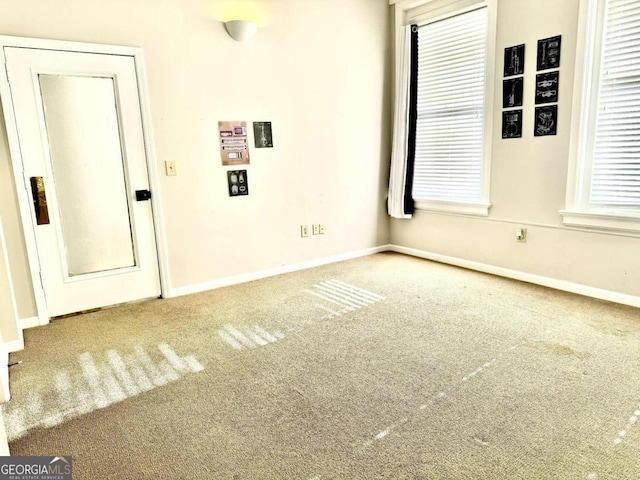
603,189
452,146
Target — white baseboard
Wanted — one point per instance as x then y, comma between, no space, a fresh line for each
251,276
4,441
524,276
29,322
18,344
5,394
14,345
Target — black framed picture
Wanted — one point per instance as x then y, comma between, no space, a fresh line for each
549,52
547,87
512,124
262,134
512,92
546,121
238,182
514,60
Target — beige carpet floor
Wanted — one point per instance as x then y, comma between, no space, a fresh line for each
383,367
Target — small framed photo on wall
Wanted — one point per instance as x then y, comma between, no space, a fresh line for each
512,124
238,183
547,87
546,121
549,52
262,134
514,60
512,92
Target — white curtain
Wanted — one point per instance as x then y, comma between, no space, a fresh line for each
398,173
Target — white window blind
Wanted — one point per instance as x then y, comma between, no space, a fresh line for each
615,178
450,109
436,9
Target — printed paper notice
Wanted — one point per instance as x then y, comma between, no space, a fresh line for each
234,147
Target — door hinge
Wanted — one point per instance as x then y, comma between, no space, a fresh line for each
6,68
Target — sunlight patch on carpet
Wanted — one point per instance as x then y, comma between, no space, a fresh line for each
336,299
248,336
437,398
633,420
341,297
94,384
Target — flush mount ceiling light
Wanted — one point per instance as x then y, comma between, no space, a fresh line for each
241,30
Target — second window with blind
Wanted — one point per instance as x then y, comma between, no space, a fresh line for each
452,155
603,188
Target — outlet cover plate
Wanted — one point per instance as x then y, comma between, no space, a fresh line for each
521,235
170,168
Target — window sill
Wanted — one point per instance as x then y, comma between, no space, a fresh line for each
602,221
477,209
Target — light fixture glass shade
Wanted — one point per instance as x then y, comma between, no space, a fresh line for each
241,30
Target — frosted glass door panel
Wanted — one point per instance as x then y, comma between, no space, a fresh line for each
88,172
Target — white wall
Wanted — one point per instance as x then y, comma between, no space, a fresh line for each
528,180
13,232
10,334
318,69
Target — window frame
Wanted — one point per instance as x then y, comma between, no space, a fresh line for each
579,211
421,12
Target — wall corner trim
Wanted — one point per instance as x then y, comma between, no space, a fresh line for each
563,285
14,345
4,441
251,276
29,322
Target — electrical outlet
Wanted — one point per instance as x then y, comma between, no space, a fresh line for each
170,168
321,229
304,230
521,235
316,229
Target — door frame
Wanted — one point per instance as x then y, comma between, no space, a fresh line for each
23,188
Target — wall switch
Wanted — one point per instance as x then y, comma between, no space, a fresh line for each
304,230
316,229
170,168
321,229
521,235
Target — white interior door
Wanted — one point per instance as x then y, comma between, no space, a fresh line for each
79,126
